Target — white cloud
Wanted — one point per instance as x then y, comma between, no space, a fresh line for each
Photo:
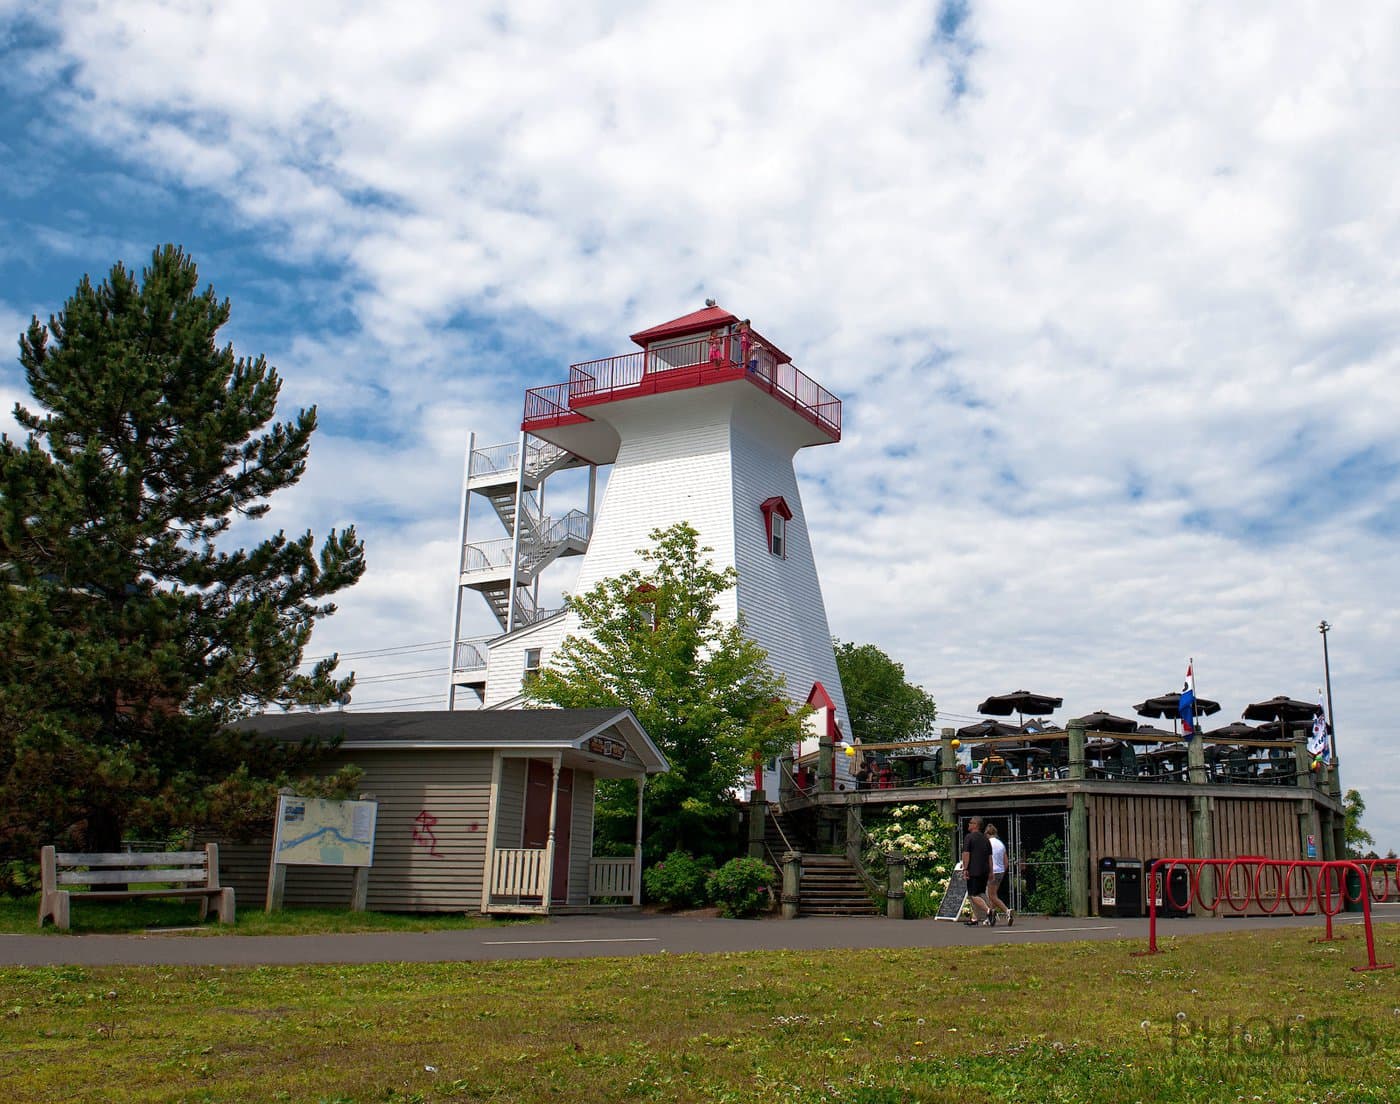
1143,271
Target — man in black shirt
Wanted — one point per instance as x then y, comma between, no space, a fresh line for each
977,865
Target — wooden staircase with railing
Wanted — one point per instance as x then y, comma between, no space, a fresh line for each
830,885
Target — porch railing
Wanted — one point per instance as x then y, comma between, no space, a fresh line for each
518,872
611,878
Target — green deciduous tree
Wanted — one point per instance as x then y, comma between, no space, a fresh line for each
129,636
652,641
884,707
1358,840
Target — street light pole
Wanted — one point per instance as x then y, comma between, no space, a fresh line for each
1324,628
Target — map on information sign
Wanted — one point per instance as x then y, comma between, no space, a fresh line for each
315,832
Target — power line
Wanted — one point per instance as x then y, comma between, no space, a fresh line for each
399,649
411,698
399,676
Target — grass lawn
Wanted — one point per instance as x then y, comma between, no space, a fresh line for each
1249,1016
21,916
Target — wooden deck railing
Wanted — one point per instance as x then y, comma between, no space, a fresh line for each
518,872
611,878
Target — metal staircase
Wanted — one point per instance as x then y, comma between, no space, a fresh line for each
505,571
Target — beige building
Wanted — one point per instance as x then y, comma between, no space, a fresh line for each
478,811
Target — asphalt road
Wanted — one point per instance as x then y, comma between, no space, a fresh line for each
607,936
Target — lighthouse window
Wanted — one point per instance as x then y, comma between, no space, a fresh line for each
776,515
532,664
777,542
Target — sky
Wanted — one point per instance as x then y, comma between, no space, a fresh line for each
1109,292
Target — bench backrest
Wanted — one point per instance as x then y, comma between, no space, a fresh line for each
96,869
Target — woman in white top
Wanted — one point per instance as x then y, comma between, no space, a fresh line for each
998,873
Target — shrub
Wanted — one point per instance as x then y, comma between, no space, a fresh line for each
1049,893
678,881
742,887
924,838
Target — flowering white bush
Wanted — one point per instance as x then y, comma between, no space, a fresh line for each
926,841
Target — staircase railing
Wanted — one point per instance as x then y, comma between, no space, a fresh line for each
540,455
857,843
488,555
494,459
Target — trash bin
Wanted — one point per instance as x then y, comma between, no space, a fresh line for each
1108,886
1173,897
1353,896
1129,878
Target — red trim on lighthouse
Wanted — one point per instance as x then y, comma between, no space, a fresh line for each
770,506
695,322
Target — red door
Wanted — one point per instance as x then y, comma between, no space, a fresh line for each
538,781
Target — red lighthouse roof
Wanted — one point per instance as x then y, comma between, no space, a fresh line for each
694,322
700,349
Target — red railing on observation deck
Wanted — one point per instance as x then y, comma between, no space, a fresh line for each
678,367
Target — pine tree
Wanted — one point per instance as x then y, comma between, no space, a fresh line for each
130,637
652,641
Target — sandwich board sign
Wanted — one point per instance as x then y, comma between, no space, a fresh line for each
951,907
311,831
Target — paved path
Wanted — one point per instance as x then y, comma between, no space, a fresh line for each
602,936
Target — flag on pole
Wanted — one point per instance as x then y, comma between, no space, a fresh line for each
1186,704
1317,742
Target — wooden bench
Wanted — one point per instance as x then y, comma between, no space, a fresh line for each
184,874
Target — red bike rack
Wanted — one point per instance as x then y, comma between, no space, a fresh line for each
1326,883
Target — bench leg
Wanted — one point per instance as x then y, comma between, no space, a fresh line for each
226,905
54,906
203,908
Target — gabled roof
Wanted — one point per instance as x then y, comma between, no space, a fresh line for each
695,322
531,729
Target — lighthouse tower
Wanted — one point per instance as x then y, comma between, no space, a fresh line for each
700,424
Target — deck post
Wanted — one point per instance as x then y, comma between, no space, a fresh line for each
547,897
1078,828
637,845
894,894
792,883
1339,820
948,760
758,823
1202,847
826,763
1196,760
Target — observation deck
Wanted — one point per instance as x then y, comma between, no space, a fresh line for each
701,350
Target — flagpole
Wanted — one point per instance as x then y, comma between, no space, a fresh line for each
1195,698
1324,628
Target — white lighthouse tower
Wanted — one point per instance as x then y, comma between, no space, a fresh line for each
700,425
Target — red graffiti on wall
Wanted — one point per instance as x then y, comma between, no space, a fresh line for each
423,834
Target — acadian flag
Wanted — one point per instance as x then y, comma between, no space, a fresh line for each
1186,704
1318,743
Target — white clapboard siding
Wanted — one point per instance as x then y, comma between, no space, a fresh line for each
708,457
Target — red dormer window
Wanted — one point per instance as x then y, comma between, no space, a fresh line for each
643,603
776,515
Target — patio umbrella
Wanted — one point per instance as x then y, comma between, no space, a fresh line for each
1105,722
1020,702
1277,730
1287,711
1040,724
1235,730
984,730
1168,705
